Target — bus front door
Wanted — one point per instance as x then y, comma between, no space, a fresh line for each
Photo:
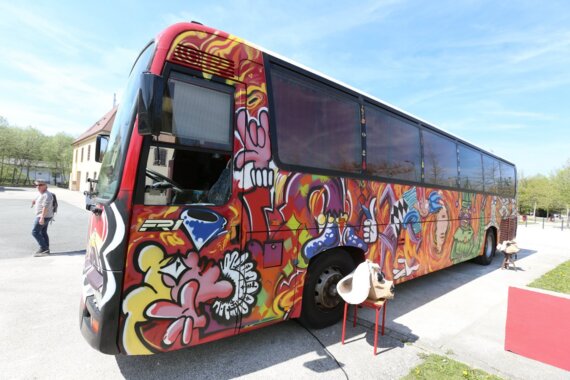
187,276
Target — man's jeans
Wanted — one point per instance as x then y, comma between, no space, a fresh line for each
39,232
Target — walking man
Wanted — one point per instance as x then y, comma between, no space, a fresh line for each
44,213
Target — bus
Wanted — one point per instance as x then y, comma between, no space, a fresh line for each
237,188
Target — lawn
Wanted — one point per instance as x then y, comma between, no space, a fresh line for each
441,367
557,280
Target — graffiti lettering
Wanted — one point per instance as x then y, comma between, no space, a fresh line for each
151,225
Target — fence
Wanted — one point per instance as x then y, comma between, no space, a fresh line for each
561,223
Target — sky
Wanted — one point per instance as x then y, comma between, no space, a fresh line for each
495,73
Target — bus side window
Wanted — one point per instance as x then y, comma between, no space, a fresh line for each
189,176
196,172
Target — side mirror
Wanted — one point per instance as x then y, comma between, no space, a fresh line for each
149,104
101,147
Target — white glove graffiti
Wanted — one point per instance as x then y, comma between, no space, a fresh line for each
370,228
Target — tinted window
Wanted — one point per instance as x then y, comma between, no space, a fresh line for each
470,169
440,160
200,112
507,184
491,173
316,125
392,146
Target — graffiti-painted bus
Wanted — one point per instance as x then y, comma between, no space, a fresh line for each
237,188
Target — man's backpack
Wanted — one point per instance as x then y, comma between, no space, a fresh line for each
54,202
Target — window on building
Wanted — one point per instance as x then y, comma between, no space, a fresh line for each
392,146
88,152
317,126
86,176
94,175
82,154
440,159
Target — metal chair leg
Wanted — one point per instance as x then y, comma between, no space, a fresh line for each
344,321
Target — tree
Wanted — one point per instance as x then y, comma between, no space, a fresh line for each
561,184
535,192
10,143
23,149
59,154
4,145
525,197
550,193
30,147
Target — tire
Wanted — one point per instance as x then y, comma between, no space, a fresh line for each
488,249
321,305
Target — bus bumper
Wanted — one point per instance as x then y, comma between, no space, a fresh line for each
99,325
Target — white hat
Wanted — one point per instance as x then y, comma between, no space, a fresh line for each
512,248
354,287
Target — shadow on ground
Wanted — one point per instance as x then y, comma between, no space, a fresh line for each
420,291
255,351
235,356
68,253
3,188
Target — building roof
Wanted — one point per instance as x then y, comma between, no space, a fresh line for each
102,125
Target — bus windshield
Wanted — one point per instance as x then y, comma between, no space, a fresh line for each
112,164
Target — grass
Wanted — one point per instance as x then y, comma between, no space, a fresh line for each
557,280
441,367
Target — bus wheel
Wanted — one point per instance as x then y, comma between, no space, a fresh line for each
489,250
322,306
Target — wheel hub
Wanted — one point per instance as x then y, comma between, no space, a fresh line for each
326,295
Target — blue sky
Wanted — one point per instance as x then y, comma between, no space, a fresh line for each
494,73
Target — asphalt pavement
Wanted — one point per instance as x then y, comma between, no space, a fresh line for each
459,312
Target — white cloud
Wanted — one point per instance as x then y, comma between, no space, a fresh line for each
54,89
523,115
54,77
428,95
37,115
37,26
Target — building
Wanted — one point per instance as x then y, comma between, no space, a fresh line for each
84,165
42,171
26,175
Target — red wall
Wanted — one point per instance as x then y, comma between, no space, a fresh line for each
538,326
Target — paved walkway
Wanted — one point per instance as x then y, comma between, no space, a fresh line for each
74,198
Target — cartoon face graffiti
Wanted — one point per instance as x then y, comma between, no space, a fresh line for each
441,228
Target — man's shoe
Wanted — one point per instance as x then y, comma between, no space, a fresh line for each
41,252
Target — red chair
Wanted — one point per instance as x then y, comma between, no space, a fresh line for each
373,304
